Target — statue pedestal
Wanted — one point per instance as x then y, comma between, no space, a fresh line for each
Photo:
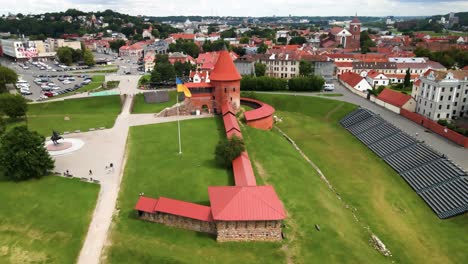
66,146
59,147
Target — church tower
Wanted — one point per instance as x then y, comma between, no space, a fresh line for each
355,30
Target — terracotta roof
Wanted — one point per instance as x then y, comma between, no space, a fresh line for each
262,111
355,20
243,172
224,69
230,123
227,108
146,204
245,203
232,133
185,209
344,64
351,78
183,36
465,68
336,30
373,74
440,75
417,82
198,85
393,97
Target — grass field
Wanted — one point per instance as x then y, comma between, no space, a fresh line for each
44,221
140,107
382,200
83,113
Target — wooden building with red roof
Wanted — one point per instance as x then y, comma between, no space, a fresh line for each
395,101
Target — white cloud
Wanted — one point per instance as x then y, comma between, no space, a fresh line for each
243,7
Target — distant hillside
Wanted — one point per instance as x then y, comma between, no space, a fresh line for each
462,16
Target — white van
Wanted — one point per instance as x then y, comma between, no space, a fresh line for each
329,87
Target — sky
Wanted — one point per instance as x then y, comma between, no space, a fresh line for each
243,7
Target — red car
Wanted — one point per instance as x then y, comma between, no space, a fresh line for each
48,94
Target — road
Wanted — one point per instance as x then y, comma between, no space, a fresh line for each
453,151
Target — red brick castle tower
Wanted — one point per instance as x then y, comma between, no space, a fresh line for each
225,80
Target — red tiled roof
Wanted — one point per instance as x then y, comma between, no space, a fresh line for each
465,68
232,133
183,36
355,20
351,78
230,123
417,82
198,85
185,209
227,108
243,172
224,69
344,64
245,203
336,30
393,97
146,204
373,74
263,111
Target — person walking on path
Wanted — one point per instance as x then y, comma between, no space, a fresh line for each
112,167
90,172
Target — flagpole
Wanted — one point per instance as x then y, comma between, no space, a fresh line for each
178,121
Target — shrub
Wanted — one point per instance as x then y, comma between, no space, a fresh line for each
310,83
451,126
442,122
460,130
263,83
229,149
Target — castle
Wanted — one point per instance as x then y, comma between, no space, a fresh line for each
244,212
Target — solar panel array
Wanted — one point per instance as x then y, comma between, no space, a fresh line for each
438,181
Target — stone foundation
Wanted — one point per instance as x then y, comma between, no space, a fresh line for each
179,222
249,231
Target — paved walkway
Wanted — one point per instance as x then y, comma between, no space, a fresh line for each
102,148
453,151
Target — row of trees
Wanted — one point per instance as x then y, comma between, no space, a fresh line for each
22,152
264,83
449,58
164,71
68,56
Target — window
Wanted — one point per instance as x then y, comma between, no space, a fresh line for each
438,115
455,104
431,106
440,107
233,89
450,98
441,98
225,89
447,116
464,100
443,89
448,107
451,89
454,112
425,103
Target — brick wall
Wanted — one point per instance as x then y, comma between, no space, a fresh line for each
249,231
179,222
265,123
436,128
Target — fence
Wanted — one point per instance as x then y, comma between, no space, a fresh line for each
436,128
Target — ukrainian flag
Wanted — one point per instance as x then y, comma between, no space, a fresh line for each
182,88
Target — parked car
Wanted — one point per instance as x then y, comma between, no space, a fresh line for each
49,94
328,87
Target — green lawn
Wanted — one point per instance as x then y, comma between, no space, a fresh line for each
140,107
83,113
384,201
155,168
97,81
44,221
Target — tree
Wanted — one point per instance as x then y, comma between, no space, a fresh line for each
115,45
2,126
309,83
23,156
228,34
282,41
244,40
407,81
260,69
163,72
366,42
262,48
12,105
88,58
229,149
305,68
297,40
239,50
7,75
65,55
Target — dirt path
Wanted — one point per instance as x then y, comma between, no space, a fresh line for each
329,114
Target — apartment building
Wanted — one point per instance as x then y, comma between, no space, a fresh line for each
281,65
443,94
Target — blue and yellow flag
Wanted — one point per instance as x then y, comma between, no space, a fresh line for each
182,88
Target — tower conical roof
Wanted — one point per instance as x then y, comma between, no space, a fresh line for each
224,69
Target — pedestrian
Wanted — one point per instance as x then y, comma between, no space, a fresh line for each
68,173
90,172
112,167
